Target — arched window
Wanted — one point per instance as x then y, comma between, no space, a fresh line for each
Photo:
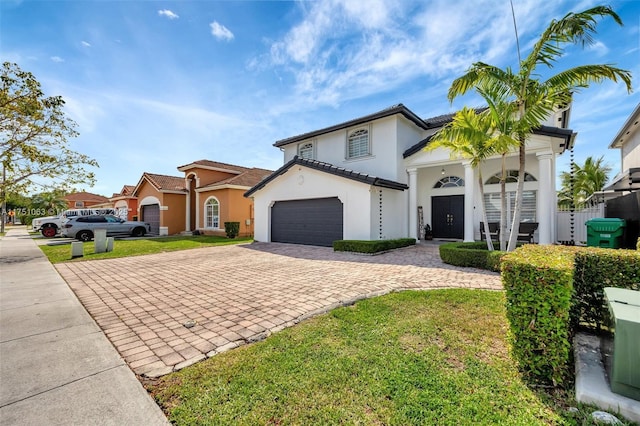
449,182
212,213
512,177
305,151
358,143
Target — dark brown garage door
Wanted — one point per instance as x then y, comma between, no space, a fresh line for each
151,215
316,222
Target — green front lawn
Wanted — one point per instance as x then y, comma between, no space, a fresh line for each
124,248
433,357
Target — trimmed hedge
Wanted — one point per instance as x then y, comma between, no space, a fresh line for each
473,255
232,229
373,246
538,281
595,269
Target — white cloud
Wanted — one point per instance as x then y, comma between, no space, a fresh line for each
86,44
169,14
57,59
220,32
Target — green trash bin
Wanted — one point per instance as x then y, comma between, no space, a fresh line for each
605,232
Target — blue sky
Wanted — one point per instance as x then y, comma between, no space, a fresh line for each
154,85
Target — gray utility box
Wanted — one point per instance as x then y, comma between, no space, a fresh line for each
624,308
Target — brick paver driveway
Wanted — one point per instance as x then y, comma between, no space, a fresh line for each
236,294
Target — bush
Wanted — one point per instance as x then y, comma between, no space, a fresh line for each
538,283
595,269
232,229
473,255
374,246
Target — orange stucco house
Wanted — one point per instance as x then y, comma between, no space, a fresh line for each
209,194
125,203
83,200
216,195
161,202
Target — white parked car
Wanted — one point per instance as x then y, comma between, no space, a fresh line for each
50,226
83,227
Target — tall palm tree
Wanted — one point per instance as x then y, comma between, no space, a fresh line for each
536,99
472,136
587,179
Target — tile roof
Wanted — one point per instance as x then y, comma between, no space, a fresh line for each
126,191
248,178
86,196
442,120
164,182
213,164
395,109
331,169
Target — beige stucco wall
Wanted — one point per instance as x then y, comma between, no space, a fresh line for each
234,207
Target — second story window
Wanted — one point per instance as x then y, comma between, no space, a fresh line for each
305,151
358,143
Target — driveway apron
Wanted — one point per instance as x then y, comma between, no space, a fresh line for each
166,311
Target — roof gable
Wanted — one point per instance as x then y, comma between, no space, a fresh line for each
213,165
162,183
246,179
331,169
86,196
396,109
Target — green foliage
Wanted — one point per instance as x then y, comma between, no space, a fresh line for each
538,284
595,269
535,99
587,179
34,133
475,255
232,229
124,248
638,244
373,246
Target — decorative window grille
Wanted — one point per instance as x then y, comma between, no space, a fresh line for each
511,177
212,213
305,151
358,144
449,182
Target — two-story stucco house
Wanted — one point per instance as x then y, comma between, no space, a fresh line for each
369,178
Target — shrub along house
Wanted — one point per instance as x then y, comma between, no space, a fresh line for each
369,179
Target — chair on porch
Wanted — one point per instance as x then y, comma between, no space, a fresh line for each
526,230
494,231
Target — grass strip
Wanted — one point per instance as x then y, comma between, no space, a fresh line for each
123,248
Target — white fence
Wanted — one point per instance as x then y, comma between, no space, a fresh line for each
580,217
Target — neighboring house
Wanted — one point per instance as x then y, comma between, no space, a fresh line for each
161,202
369,179
126,203
216,195
623,194
81,200
628,141
209,194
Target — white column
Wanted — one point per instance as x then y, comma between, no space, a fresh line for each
187,219
469,195
545,197
413,203
197,210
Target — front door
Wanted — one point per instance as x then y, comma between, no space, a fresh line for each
447,216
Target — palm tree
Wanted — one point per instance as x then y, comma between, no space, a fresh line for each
470,135
52,202
535,99
587,179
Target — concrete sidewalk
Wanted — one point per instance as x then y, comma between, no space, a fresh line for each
56,365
